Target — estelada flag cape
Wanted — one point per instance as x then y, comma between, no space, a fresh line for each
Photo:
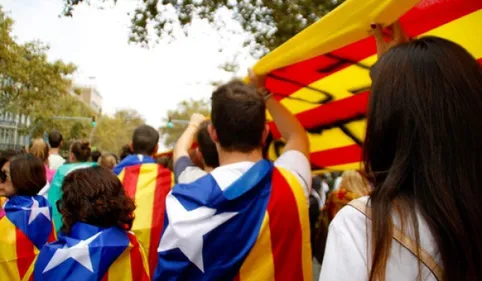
91,253
25,227
148,184
322,74
255,229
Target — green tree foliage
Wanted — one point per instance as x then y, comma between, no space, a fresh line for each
183,111
271,22
115,131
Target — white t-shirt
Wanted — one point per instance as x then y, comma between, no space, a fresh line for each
191,174
55,161
346,250
292,160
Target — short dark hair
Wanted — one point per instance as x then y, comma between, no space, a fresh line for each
145,140
206,146
81,150
95,155
125,151
95,196
28,174
55,139
239,117
7,155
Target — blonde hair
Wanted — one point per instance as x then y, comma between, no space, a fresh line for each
107,160
353,182
40,149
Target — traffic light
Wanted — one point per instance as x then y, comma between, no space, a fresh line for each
94,121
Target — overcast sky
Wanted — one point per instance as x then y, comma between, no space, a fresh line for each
149,80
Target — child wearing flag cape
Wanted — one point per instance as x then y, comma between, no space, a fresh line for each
95,242
25,219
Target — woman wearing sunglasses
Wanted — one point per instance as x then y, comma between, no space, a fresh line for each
25,221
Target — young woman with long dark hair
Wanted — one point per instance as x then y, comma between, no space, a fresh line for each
423,156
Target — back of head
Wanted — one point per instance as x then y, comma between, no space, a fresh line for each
81,151
55,139
95,155
423,149
28,174
125,151
40,149
239,116
7,155
107,160
206,146
95,196
352,181
145,140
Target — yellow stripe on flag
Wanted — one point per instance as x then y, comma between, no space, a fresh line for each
259,265
8,251
122,175
120,269
144,198
302,204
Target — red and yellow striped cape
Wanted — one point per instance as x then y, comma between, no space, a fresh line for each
148,185
134,260
17,252
282,250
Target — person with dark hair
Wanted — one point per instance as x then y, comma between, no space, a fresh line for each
25,221
125,151
185,170
148,183
97,214
79,158
422,155
95,155
56,140
220,222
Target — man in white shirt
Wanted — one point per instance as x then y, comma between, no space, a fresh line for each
55,140
215,222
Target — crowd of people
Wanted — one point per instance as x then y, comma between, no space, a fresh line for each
222,211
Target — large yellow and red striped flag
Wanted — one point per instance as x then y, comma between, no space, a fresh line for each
25,227
322,74
148,184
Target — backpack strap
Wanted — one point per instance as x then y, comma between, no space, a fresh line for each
405,241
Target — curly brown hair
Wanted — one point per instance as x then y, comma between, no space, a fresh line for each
95,196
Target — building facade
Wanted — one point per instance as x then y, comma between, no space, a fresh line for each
12,133
89,95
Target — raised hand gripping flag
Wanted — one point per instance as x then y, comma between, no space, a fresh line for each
255,229
25,227
148,184
322,74
90,253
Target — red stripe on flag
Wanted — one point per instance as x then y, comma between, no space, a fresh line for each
25,252
415,22
130,180
52,236
137,266
237,278
106,276
337,156
331,113
285,228
163,187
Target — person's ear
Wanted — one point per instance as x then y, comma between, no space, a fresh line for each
213,134
265,134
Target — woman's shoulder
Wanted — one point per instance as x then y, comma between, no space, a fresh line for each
351,219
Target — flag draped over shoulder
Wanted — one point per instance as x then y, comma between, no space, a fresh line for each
255,229
90,253
148,184
322,74
25,227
